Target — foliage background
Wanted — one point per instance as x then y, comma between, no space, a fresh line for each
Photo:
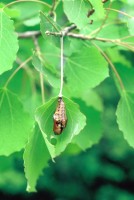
104,171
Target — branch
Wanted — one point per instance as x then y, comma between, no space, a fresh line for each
67,29
84,37
28,34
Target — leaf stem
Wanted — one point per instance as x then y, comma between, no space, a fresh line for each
36,1
15,71
121,12
42,87
62,65
112,66
41,75
28,34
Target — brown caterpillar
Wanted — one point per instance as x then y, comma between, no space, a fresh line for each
60,118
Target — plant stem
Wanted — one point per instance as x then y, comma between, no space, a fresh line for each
42,87
84,37
112,66
62,65
28,34
121,12
14,73
41,75
36,1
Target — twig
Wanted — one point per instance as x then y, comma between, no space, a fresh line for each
111,65
28,34
67,29
62,65
66,32
77,36
84,37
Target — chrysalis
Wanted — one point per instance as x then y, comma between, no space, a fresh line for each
60,118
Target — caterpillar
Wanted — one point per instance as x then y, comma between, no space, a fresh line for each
59,117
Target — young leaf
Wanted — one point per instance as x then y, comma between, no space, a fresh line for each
92,132
44,117
8,43
15,124
125,116
36,157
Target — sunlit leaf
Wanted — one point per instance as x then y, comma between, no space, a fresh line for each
8,43
85,69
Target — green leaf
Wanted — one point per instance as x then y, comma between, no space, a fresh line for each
92,132
77,11
15,124
125,116
8,43
85,69
48,24
86,66
36,157
44,117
